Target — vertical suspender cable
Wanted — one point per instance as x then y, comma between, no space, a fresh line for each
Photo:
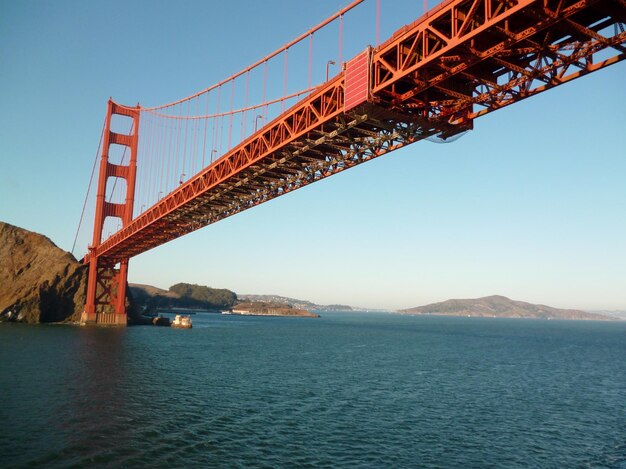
176,159
265,88
213,139
244,120
218,125
221,134
195,144
151,161
206,122
169,158
215,127
194,147
93,170
230,119
140,187
160,156
285,72
142,166
188,171
377,22
310,60
182,171
157,160
340,41
152,156
196,141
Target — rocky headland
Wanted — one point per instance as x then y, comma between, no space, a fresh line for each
39,282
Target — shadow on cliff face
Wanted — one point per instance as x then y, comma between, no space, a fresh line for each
63,298
39,282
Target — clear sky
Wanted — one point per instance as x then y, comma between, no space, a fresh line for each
530,205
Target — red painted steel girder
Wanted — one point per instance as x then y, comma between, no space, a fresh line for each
434,76
435,66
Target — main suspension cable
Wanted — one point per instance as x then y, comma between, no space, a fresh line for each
278,51
93,171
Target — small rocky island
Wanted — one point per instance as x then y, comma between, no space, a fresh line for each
260,308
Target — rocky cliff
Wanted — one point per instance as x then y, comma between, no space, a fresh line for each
39,282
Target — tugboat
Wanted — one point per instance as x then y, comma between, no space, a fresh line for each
161,320
182,322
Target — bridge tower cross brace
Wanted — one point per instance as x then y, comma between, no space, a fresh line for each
106,285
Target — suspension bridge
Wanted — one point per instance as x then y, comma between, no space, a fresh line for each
165,171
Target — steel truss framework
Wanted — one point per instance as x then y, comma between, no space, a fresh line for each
433,77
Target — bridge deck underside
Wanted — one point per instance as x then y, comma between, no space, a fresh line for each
432,77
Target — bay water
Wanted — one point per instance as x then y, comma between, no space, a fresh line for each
344,390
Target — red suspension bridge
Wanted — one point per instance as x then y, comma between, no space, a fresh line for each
168,170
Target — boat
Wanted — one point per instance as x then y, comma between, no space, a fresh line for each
160,320
182,322
227,311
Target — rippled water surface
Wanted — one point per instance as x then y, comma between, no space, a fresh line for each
345,390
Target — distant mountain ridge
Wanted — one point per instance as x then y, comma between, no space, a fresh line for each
501,306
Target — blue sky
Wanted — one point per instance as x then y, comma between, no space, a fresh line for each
529,205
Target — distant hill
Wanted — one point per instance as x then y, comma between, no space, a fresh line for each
294,303
501,306
182,295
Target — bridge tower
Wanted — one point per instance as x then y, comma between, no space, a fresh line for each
106,286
